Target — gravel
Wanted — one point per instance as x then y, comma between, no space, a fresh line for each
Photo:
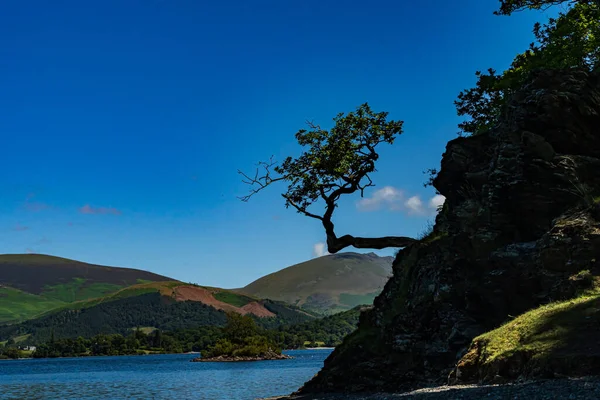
567,389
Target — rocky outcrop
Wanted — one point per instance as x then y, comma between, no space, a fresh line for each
521,217
271,355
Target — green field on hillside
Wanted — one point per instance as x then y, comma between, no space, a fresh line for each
16,305
78,290
232,298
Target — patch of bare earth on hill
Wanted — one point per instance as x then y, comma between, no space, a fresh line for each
194,293
257,309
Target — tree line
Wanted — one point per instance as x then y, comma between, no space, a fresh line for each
217,340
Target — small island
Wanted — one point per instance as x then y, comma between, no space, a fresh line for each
242,341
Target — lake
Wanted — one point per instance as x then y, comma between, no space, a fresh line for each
169,376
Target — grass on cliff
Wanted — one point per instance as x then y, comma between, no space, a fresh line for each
563,331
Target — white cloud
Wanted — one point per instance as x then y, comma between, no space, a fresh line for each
436,201
388,197
393,199
414,205
320,249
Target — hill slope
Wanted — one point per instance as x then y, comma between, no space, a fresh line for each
163,305
31,284
41,274
326,284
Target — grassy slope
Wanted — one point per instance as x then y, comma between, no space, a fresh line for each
336,282
561,336
33,284
16,305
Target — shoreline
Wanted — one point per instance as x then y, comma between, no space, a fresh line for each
136,355
562,388
270,356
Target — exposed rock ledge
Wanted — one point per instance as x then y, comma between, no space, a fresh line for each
264,357
521,220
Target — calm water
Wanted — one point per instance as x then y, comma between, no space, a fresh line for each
155,377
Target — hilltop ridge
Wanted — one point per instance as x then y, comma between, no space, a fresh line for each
326,284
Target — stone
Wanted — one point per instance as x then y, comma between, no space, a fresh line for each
516,225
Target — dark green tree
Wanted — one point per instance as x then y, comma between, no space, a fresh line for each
333,163
239,327
507,7
572,40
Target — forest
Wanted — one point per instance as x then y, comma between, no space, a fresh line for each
325,332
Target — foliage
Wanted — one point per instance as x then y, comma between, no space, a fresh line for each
330,330
241,337
507,7
334,162
239,327
10,352
570,41
210,340
146,310
118,316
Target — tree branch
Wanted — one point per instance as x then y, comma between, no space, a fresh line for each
336,244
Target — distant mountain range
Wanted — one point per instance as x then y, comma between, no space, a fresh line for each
326,284
43,295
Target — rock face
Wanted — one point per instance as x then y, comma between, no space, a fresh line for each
268,356
521,217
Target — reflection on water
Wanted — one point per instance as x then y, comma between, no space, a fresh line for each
155,377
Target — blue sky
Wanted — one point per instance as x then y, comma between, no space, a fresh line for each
123,123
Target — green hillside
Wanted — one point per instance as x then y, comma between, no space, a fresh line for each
32,284
154,306
326,284
16,305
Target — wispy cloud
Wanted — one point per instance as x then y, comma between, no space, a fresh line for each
393,199
30,251
414,205
87,209
20,228
320,249
386,197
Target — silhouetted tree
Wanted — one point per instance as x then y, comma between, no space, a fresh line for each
335,162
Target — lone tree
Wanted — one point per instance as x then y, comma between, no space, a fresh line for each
334,163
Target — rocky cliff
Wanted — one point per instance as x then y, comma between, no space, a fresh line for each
521,218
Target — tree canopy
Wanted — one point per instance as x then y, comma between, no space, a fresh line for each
334,162
507,7
572,40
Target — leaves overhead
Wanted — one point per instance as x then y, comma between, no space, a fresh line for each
507,7
572,40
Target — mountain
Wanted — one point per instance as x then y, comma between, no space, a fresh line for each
31,284
326,284
41,296
167,306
